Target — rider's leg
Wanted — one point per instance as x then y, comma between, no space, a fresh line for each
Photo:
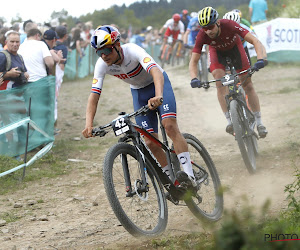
254,105
222,91
157,151
180,144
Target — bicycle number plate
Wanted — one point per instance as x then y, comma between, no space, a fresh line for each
227,80
120,126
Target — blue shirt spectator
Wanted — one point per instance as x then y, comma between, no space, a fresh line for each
258,10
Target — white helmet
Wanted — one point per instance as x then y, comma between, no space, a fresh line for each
105,35
234,16
194,14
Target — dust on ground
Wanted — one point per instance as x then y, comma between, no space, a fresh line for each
75,213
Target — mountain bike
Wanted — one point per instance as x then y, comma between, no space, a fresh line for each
242,117
134,181
178,53
166,53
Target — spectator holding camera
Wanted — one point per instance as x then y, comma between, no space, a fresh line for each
12,67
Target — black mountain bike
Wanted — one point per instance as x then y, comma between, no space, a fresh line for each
242,117
134,181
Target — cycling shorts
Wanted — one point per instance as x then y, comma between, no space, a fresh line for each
166,110
170,32
237,55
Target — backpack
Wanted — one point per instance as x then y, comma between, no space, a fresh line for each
8,59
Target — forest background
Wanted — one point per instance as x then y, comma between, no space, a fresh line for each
139,15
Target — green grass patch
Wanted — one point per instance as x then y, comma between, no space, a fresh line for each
10,217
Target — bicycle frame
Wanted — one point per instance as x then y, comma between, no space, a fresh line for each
133,133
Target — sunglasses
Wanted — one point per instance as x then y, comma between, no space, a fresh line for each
210,27
106,51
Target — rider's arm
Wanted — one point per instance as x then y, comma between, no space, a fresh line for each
186,35
259,47
193,65
158,80
90,114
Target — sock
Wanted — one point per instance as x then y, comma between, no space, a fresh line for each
185,160
257,116
227,115
166,170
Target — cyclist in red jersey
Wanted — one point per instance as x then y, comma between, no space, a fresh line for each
223,39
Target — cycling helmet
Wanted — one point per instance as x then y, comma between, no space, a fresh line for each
176,17
194,14
207,16
238,11
185,12
234,16
105,35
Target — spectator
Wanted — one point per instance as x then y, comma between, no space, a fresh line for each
49,38
2,37
258,11
60,67
76,42
36,56
12,66
27,25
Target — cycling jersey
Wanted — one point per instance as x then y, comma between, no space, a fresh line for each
170,25
227,44
194,28
173,30
230,32
134,69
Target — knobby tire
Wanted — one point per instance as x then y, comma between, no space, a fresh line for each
241,130
139,216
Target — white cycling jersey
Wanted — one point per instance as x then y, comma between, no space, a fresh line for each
170,24
135,68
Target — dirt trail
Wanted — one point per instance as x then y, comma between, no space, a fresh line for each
75,213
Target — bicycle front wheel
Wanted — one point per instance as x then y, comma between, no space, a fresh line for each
243,136
207,203
142,213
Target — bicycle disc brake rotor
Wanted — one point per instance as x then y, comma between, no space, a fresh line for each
142,195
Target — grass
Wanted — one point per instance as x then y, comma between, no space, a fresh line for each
10,217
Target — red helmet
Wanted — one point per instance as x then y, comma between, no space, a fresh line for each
185,12
176,17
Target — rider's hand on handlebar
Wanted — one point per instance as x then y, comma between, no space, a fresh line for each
87,132
186,46
195,83
154,102
259,64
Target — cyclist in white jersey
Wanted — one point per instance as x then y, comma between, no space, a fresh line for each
174,27
149,85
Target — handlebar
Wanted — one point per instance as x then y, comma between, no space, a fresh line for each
229,78
103,130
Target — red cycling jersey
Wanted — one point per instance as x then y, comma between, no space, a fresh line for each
230,32
227,44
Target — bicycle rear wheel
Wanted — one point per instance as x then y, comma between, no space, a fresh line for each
141,213
243,136
207,203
